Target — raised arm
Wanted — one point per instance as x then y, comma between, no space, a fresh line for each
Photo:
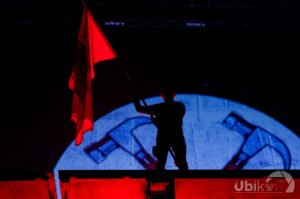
143,109
139,108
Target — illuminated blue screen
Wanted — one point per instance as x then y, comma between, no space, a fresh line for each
219,134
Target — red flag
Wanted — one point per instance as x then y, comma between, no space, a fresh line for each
91,47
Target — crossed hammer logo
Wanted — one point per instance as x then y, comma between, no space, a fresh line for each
255,140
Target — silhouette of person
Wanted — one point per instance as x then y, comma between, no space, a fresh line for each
168,120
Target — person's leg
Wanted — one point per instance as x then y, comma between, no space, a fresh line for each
179,149
162,154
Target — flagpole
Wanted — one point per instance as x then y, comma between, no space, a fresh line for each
132,82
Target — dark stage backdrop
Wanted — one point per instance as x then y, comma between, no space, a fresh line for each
255,67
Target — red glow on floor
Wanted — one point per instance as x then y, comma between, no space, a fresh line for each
106,188
29,189
126,188
159,186
231,188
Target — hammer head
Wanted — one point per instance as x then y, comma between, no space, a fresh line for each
122,137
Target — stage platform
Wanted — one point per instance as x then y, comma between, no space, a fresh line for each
171,184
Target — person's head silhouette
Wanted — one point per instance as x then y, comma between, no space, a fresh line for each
167,94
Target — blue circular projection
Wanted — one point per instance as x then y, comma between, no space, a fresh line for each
219,134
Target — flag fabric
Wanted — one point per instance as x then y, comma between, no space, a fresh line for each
91,47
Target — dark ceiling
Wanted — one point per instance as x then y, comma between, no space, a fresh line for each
244,50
